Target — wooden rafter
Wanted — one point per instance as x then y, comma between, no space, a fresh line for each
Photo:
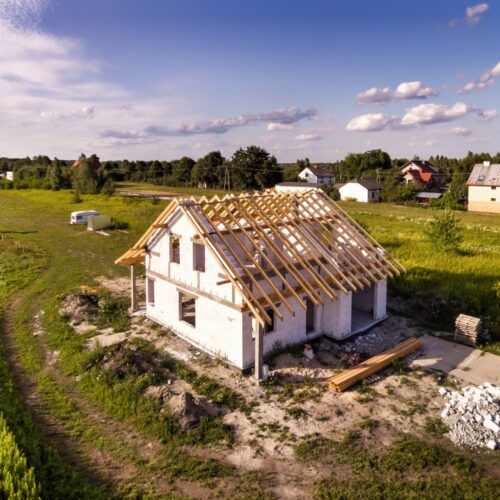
275,246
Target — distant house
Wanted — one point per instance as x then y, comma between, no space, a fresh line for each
317,175
9,175
425,197
96,165
296,186
364,190
422,173
484,188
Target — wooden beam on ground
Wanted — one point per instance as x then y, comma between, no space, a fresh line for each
349,377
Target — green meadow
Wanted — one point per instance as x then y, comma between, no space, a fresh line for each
42,258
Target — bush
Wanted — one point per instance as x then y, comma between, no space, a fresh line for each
444,232
17,481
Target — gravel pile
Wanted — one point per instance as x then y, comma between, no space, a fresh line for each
473,416
372,343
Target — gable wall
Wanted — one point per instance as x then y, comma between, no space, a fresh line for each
354,190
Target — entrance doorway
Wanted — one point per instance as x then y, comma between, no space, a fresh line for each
310,310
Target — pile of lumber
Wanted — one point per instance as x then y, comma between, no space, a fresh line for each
349,377
467,329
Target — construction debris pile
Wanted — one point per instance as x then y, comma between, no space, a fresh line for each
372,343
473,416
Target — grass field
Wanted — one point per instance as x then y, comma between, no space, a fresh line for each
43,258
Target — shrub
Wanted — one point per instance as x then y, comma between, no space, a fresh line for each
444,232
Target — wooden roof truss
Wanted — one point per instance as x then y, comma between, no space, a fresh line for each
267,241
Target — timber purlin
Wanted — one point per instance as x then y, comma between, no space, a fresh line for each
274,238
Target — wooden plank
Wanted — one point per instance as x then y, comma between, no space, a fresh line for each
349,377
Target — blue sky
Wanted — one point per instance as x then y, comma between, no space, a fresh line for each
160,79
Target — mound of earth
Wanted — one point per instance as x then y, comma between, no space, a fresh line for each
129,359
187,408
80,306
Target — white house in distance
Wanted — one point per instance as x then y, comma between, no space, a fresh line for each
364,190
422,173
296,186
245,274
484,188
317,175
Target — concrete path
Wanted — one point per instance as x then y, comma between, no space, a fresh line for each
471,365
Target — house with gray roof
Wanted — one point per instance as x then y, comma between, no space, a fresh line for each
484,188
317,175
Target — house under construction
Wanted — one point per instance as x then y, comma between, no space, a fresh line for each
241,275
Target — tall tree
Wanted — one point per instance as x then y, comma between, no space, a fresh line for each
254,168
208,170
181,170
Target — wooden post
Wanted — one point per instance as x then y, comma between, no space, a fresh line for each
133,288
259,352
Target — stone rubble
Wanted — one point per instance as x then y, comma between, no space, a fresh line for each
473,416
373,342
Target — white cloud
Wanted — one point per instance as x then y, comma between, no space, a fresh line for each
474,13
426,114
487,114
404,91
370,122
423,114
484,81
280,126
413,90
308,137
375,95
287,116
461,131
85,112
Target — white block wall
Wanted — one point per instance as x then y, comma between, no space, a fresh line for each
337,316
218,327
380,300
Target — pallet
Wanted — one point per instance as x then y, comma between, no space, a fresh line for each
349,377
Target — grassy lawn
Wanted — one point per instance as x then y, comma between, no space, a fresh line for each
468,281
47,258
140,186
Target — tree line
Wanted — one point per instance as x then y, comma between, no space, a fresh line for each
249,168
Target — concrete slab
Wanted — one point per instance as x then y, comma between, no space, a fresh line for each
471,365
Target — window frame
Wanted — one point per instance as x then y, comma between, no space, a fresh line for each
150,287
182,303
195,250
175,249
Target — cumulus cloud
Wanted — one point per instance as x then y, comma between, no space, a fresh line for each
375,95
461,131
404,91
308,137
413,90
484,81
85,112
370,122
280,126
474,13
487,114
423,114
288,116
427,114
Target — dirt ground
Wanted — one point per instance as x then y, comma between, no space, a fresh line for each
295,403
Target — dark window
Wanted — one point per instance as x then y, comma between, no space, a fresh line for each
199,257
187,308
493,187
480,178
151,291
269,327
78,217
175,250
493,199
